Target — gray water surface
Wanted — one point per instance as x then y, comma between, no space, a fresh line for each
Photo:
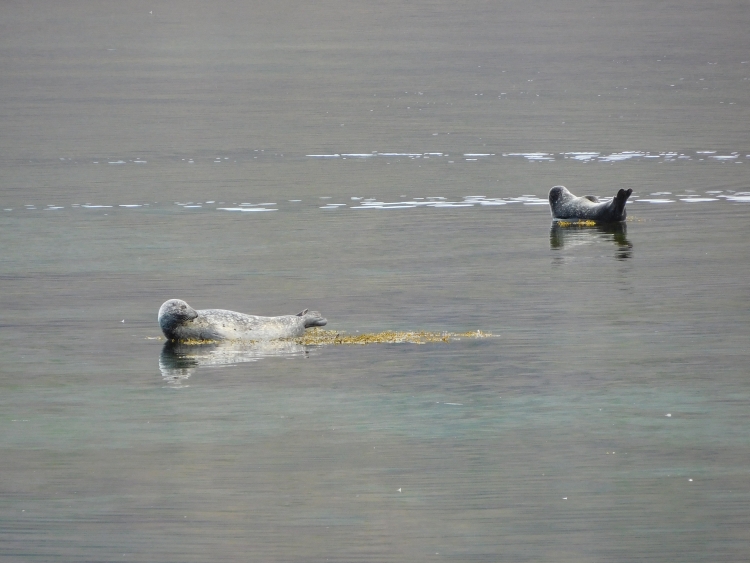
388,165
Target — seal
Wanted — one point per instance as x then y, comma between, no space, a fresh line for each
564,205
180,322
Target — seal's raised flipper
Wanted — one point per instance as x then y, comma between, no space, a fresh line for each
619,203
592,198
302,313
313,318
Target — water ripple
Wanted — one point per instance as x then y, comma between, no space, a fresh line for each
361,203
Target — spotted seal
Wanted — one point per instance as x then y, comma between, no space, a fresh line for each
564,205
180,322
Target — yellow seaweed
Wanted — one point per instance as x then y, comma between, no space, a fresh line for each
319,337
577,223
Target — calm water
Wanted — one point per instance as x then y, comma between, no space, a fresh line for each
386,164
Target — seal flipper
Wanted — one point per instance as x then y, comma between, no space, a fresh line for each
619,202
592,198
302,313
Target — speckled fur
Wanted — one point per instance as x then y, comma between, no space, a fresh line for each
564,205
180,322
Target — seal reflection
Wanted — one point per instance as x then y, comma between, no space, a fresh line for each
178,361
577,234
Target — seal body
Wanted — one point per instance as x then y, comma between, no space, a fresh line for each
564,205
180,322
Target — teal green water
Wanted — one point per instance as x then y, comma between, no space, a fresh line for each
606,419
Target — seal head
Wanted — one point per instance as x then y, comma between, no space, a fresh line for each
564,205
180,322
174,313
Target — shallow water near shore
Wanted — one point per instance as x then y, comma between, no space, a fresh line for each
387,166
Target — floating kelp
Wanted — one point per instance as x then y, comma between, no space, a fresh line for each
194,342
589,223
319,337
576,223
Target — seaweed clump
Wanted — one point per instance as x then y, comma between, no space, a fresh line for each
319,337
578,223
195,341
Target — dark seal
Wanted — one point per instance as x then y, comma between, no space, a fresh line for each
180,322
565,206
